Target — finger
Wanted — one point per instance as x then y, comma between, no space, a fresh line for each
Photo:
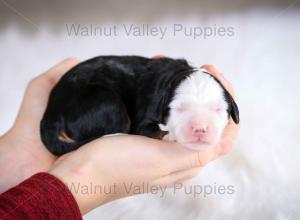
216,73
158,56
228,136
170,156
56,72
208,155
178,157
37,92
231,130
42,85
210,68
177,177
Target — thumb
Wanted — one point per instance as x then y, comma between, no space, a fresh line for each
180,158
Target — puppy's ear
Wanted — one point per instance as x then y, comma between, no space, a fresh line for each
233,109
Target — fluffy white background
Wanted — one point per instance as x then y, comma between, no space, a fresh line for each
261,60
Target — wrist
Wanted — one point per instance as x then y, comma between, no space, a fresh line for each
14,169
20,158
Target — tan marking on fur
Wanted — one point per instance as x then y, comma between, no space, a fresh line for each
160,134
65,138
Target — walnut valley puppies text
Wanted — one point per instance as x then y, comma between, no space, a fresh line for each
146,30
195,191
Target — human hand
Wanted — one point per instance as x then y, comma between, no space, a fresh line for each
21,151
114,162
23,154
119,164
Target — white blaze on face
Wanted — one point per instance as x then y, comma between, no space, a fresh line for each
198,112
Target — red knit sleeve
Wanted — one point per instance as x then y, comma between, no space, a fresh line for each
42,196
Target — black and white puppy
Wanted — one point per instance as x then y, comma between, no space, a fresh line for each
159,98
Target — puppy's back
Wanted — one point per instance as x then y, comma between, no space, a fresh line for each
110,94
90,101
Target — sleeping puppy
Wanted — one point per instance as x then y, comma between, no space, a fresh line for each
159,98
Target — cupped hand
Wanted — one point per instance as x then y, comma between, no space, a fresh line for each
120,160
116,164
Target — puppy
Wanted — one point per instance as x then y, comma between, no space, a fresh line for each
159,98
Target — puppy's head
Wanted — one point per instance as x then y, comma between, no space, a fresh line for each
199,111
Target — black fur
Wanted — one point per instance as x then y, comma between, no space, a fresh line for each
113,94
232,109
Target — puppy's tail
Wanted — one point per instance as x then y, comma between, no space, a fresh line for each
56,139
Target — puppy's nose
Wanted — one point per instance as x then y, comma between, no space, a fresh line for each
199,131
